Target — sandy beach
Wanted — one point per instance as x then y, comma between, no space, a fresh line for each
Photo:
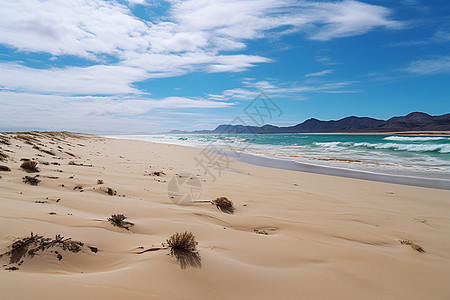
293,235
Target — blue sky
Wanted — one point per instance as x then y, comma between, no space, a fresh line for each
152,66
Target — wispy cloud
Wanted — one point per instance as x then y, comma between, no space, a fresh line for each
97,79
295,90
318,74
326,60
442,35
94,114
432,66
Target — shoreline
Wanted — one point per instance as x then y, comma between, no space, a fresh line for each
285,164
419,133
289,164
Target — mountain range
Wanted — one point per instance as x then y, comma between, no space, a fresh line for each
415,121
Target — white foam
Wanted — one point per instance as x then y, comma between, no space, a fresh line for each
441,148
413,138
367,155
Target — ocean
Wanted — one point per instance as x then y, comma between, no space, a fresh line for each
419,156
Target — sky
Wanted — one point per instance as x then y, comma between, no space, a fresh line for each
148,66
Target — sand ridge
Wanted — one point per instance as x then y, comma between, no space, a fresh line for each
292,235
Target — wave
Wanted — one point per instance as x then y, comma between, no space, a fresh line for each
441,148
414,138
393,154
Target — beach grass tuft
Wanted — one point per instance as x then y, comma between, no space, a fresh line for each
183,247
120,221
3,156
5,168
30,166
182,241
224,204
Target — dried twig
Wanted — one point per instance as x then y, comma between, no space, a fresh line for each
33,244
413,245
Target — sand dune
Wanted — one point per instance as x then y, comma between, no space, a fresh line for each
293,235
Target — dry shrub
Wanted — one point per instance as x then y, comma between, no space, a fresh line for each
100,181
224,205
182,241
5,169
183,247
158,173
3,156
413,245
26,138
120,221
31,180
30,166
72,163
34,244
111,192
4,141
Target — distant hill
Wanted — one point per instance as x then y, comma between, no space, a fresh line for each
416,121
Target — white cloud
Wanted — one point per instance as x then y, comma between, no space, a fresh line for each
123,49
137,1
88,28
248,19
98,79
442,35
321,73
93,114
82,28
325,60
347,18
235,63
190,38
433,66
294,90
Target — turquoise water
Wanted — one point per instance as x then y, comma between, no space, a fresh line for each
393,154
